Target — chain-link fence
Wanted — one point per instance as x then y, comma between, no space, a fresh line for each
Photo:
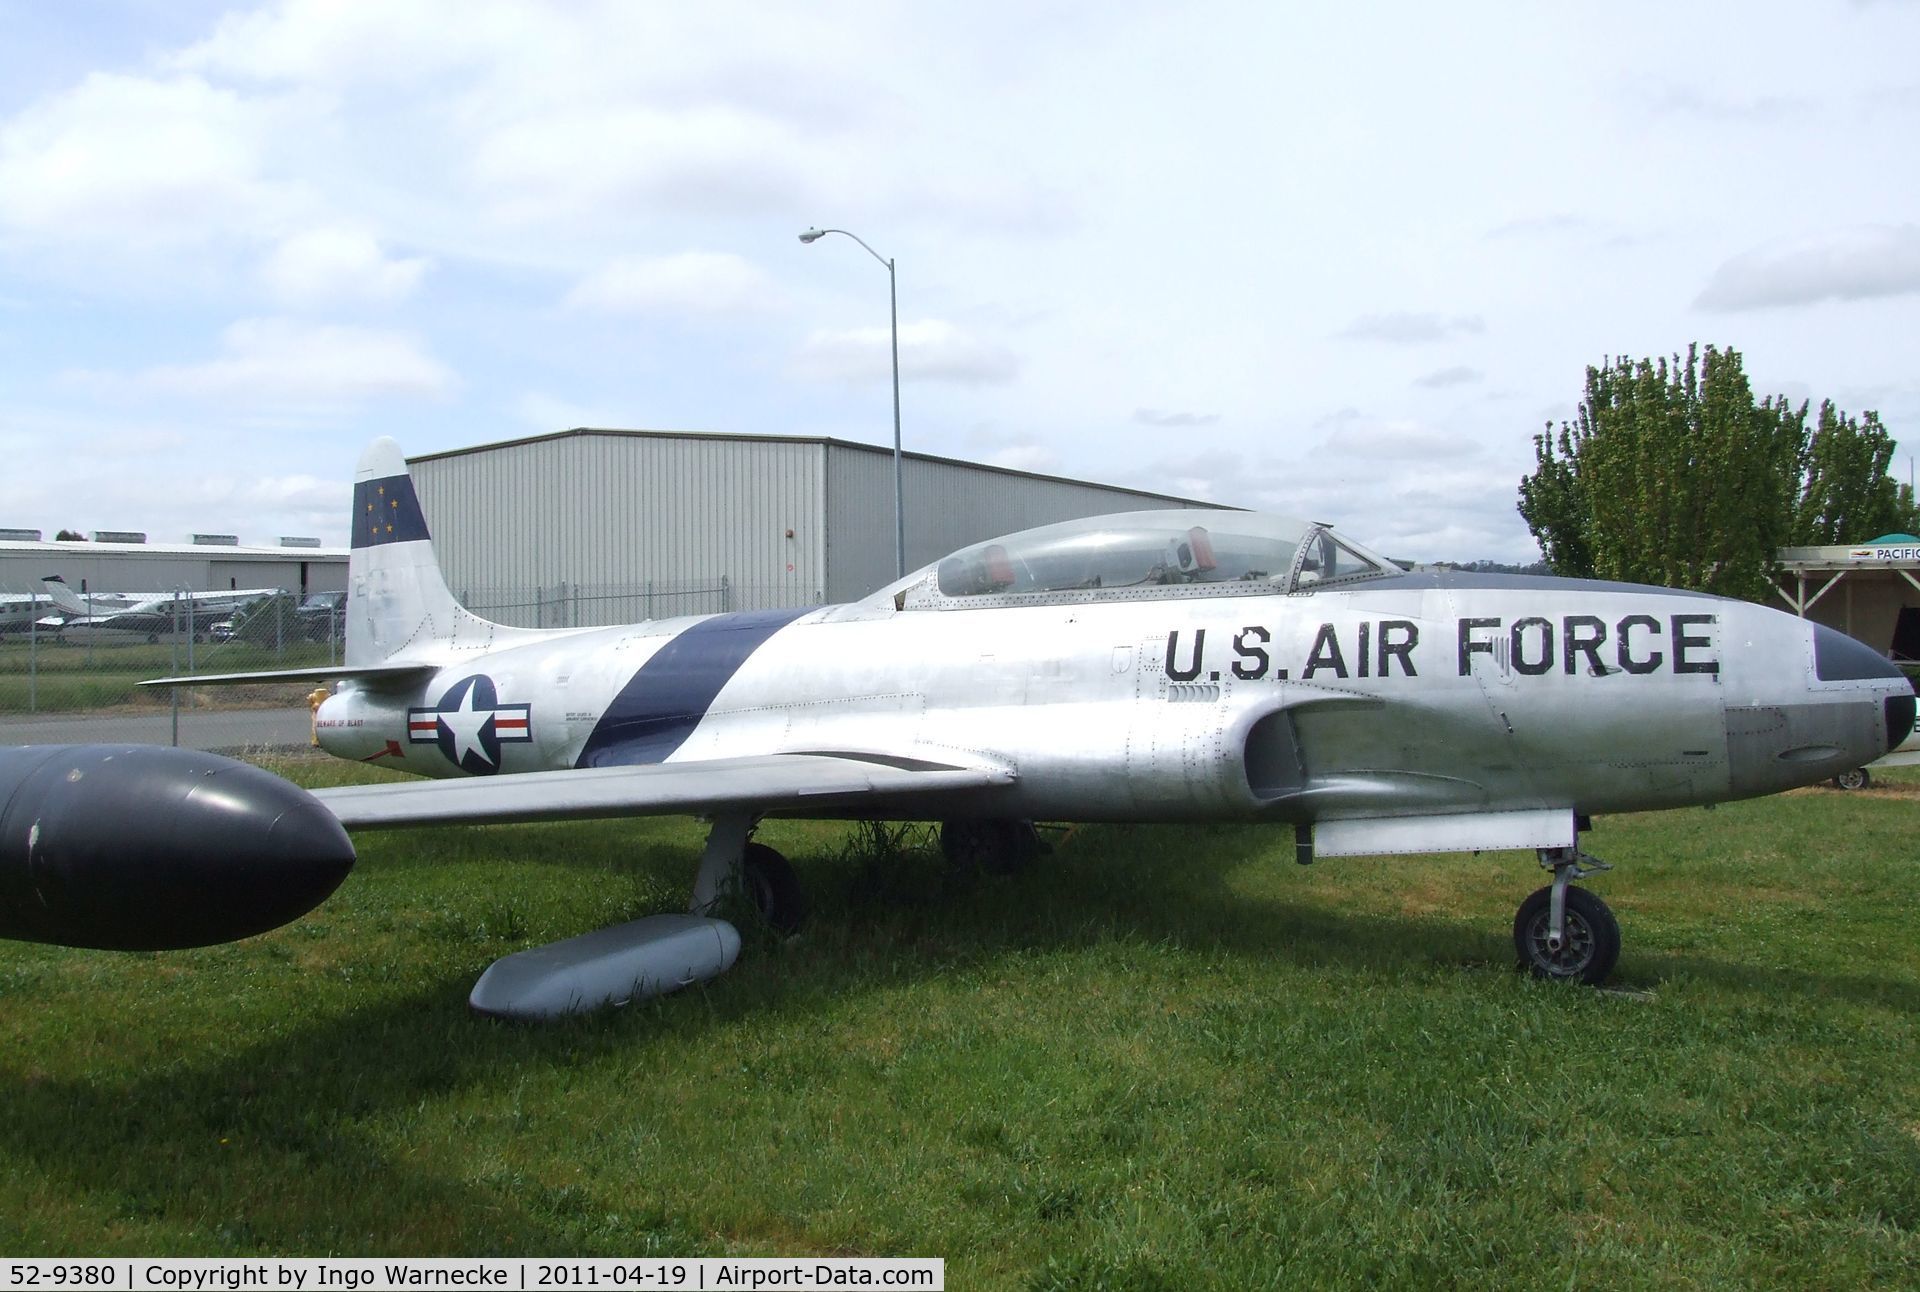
582,605
71,663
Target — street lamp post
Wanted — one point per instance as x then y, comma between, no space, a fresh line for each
893,310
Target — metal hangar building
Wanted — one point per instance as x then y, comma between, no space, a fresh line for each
218,562
610,526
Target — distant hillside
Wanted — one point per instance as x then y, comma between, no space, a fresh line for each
1491,567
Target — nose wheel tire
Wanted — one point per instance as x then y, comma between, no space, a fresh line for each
1590,944
774,889
1855,779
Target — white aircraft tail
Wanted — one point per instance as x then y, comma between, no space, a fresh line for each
63,596
398,605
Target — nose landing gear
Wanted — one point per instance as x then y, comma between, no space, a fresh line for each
1566,933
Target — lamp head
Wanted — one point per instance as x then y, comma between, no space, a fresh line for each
813,235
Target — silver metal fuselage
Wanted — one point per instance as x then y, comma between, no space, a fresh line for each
1406,695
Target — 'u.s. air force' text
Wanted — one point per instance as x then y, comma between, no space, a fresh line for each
1532,646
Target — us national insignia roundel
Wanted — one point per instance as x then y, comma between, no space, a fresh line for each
470,724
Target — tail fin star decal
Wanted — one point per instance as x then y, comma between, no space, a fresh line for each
387,510
470,724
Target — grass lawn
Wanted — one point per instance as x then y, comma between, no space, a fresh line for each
46,676
1168,1059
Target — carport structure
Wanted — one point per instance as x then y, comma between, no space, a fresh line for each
1870,591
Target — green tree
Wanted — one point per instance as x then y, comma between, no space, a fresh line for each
1847,495
1671,473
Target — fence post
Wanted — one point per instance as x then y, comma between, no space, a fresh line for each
726,594
173,692
33,655
279,645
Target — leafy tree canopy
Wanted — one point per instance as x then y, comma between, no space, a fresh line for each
1671,473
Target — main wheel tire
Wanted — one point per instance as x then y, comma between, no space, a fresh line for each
1592,938
774,889
1856,779
997,847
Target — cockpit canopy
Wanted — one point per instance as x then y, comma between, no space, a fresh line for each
1150,554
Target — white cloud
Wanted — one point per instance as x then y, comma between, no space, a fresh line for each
324,42
1399,442
296,491
327,266
277,363
1156,417
1025,457
1455,376
546,413
1848,265
710,160
129,160
1411,329
930,350
1686,101
693,282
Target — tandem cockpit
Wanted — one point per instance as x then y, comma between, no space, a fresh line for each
1145,555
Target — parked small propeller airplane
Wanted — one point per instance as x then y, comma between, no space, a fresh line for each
118,617
20,613
1167,666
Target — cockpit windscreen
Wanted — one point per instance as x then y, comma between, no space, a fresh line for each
1242,550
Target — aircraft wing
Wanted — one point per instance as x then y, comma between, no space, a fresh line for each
775,783
327,673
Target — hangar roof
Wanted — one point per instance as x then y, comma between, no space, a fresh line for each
208,551
826,440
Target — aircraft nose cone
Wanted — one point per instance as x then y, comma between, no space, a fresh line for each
1840,658
1900,713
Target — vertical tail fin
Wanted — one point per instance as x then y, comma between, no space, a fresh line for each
63,596
397,602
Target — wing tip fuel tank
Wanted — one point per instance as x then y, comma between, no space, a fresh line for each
633,961
151,848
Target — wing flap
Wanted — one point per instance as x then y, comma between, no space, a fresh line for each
375,673
763,783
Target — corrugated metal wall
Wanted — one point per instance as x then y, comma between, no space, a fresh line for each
601,527
611,528
947,505
23,565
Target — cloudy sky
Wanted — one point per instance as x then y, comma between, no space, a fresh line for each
1335,261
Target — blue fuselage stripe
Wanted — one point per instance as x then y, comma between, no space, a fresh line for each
668,695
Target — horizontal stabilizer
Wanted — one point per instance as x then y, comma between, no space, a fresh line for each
762,783
339,672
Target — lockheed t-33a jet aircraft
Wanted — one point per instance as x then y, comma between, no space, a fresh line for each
1160,666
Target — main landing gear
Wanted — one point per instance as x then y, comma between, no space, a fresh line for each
1566,933
997,847
733,863
656,953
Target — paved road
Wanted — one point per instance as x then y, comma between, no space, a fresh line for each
232,729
